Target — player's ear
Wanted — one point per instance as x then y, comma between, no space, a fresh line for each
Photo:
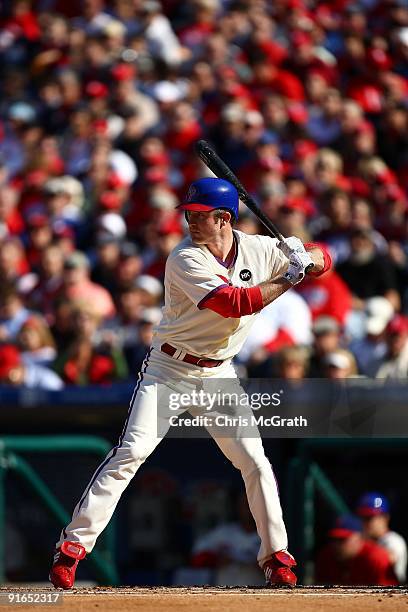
225,217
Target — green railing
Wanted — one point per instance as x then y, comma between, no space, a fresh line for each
102,560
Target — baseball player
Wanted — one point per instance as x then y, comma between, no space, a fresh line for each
216,280
374,510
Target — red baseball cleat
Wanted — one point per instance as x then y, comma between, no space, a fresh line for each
66,559
277,570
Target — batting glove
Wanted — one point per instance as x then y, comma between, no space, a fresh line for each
298,263
291,245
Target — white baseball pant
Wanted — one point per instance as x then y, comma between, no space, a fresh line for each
139,438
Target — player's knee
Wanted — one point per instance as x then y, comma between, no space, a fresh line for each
247,462
137,451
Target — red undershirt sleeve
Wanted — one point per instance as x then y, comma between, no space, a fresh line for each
326,256
233,302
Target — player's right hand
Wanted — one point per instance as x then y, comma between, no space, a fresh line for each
298,263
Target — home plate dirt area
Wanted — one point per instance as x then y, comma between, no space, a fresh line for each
206,599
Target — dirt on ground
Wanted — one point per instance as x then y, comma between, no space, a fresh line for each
204,599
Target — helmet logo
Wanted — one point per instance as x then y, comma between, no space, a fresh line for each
191,193
245,275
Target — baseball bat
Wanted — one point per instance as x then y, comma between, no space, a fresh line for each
214,162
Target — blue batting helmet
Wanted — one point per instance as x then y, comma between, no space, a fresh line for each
211,194
372,503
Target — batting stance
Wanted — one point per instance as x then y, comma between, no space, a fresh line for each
216,281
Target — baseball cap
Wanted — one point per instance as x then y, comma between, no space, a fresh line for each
150,284
167,91
123,72
233,112
162,199
128,249
372,504
63,230
105,239
379,312
77,259
112,223
110,200
9,359
325,325
151,315
337,359
299,204
345,526
268,138
96,89
21,111
38,219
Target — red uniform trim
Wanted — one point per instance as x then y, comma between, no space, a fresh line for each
233,302
326,256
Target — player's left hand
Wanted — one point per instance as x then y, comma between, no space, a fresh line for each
291,245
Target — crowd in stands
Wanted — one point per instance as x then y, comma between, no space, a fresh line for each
101,104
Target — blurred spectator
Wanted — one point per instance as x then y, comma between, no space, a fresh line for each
13,313
11,221
340,364
82,362
64,199
285,322
13,262
333,228
350,560
107,260
151,290
62,325
77,285
231,551
131,328
161,40
129,266
14,371
327,334
395,364
368,273
39,237
292,363
327,295
370,349
36,342
374,511
48,281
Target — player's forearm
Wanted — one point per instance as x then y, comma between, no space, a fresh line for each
271,290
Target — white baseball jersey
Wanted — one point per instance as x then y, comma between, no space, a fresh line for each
192,273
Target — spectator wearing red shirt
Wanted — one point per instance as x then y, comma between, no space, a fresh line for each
350,560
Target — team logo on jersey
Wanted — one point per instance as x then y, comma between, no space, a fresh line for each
245,275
